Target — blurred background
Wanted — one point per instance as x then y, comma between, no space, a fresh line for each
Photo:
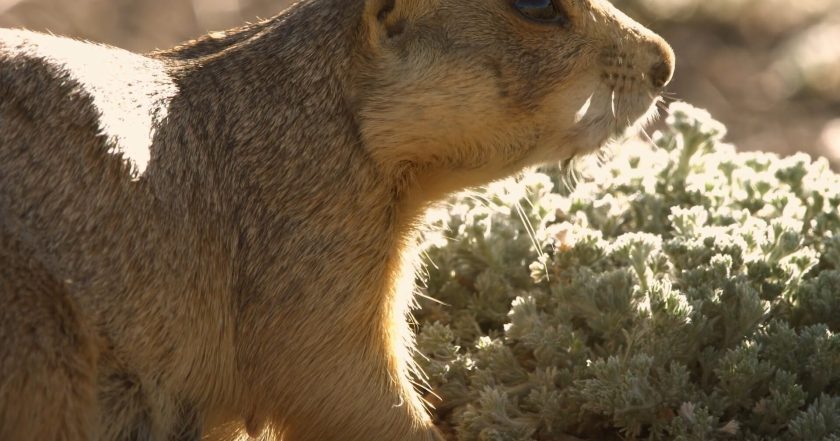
769,69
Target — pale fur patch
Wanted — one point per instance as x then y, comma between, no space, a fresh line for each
120,93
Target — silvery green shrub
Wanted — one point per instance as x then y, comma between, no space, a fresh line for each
684,292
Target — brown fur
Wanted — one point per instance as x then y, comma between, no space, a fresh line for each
217,238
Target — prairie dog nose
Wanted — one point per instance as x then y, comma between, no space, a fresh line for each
662,69
651,58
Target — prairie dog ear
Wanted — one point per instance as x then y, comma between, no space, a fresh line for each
388,18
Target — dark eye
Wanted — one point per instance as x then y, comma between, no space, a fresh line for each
541,11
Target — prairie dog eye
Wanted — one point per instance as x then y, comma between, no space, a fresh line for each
541,11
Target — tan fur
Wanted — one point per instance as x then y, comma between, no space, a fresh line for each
218,238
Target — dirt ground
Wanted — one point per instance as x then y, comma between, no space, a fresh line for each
769,69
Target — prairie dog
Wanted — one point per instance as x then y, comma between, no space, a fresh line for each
215,240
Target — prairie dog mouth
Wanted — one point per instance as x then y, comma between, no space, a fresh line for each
607,115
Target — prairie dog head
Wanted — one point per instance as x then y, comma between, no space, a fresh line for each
457,93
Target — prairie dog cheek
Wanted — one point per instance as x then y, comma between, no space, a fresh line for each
446,110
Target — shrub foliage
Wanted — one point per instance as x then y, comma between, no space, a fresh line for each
689,292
